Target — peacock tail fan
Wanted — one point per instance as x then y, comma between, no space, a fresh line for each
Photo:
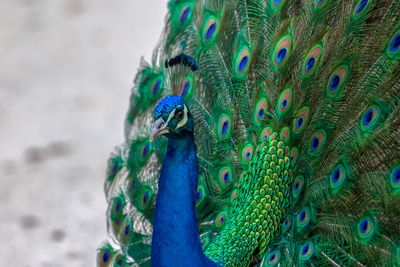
297,128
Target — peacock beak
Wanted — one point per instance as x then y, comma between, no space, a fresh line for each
159,128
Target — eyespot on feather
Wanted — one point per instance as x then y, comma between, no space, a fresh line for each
126,230
312,60
247,153
260,111
319,3
145,151
156,87
361,8
303,218
301,120
144,199
370,117
242,61
393,47
187,86
185,14
199,195
224,127
306,251
220,221
105,256
273,258
282,51
276,4
285,134
114,166
117,207
338,177
287,223
225,176
366,228
297,186
337,80
210,30
266,133
285,101
317,141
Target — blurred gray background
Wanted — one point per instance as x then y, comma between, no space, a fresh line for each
66,69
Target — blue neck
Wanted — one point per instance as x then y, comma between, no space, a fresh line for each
176,239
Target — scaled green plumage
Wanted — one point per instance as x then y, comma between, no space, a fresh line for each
297,126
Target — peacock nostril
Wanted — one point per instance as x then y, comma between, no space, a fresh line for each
160,125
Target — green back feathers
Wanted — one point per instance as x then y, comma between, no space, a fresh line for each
297,128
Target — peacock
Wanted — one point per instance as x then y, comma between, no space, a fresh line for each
262,133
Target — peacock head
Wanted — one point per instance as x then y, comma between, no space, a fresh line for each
172,118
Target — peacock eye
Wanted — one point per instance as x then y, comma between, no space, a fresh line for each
179,115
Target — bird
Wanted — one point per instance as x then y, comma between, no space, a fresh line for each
262,133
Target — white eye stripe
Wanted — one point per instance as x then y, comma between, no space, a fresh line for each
183,122
171,115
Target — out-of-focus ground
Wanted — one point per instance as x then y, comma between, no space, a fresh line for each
66,69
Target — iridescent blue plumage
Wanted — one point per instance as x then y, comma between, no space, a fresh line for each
175,232
166,105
